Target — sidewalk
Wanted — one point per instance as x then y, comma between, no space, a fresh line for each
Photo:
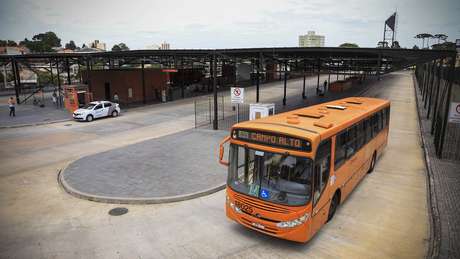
444,188
29,114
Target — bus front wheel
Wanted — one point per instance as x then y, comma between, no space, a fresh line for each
371,167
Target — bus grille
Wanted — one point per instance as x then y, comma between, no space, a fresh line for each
260,205
266,229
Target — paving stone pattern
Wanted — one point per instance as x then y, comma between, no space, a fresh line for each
177,164
445,175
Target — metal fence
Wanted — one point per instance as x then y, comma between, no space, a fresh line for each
437,81
204,107
229,114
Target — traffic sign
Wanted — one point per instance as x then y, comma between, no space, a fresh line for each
237,94
454,113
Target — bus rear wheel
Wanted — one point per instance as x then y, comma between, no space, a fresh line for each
371,167
333,207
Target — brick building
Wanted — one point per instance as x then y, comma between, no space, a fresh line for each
131,85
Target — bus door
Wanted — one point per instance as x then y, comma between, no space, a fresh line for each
321,198
346,163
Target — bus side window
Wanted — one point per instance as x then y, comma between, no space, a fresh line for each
380,116
340,141
361,135
368,130
322,168
375,125
351,142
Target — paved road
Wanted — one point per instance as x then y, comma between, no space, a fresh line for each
385,217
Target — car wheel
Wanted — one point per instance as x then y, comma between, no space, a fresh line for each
371,167
114,114
333,207
89,118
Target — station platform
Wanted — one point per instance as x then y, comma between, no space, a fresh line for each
145,172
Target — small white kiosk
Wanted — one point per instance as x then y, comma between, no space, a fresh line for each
260,110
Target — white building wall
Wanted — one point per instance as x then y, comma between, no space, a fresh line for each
311,40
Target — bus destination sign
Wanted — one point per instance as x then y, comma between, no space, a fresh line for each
272,139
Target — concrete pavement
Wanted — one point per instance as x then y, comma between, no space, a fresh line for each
385,217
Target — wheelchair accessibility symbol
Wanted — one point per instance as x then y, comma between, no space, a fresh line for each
265,194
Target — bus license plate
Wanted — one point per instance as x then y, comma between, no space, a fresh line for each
257,225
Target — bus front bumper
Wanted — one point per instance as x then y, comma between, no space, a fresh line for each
300,233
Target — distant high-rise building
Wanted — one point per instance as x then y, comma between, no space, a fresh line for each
98,45
311,40
163,45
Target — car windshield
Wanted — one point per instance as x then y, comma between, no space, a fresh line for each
89,106
278,178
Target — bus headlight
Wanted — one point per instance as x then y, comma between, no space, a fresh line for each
293,223
233,206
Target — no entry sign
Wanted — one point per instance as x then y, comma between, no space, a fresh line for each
454,113
237,94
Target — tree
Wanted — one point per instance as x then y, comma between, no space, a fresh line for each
382,44
83,46
348,45
71,45
8,43
444,46
440,37
116,48
120,47
415,47
42,42
424,36
123,47
395,45
48,38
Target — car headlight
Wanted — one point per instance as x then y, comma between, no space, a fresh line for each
233,206
293,223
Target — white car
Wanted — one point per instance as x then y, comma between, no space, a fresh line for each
94,110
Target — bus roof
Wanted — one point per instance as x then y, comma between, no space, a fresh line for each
318,121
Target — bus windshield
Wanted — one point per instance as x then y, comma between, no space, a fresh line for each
278,178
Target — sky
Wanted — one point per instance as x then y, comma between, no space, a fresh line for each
226,24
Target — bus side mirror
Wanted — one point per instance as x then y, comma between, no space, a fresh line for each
221,151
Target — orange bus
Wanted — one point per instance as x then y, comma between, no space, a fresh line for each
288,173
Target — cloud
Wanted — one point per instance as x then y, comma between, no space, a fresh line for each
226,24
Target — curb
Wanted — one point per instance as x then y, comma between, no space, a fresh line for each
435,224
122,200
34,124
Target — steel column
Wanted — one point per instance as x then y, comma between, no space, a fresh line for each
214,88
446,110
304,78
319,72
16,84
285,83
428,85
51,73
257,79
337,69
436,96
431,89
144,96
69,81
59,82
88,74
